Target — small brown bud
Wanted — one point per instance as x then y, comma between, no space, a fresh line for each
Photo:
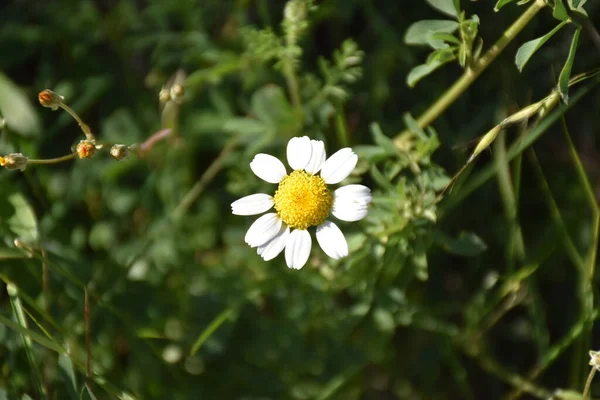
86,149
119,152
177,92
14,161
48,98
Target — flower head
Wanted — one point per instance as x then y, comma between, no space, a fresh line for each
303,200
595,359
87,148
14,161
48,98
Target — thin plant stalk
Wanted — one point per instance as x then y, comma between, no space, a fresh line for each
473,72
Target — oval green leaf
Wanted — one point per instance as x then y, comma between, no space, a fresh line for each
528,49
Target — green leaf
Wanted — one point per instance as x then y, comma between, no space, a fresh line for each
421,32
448,7
66,367
384,320
575,4
529,48
19,114
270,105
86,393
211,328
444,37
8,253
36,337
381,140
466,244
19,316
244,126
560,11
565,73
23,222
421,71
502,3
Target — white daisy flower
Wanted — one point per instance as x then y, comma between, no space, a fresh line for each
303,200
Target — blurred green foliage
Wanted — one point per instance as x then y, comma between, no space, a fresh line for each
487,296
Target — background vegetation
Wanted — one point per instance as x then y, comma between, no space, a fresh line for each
130,279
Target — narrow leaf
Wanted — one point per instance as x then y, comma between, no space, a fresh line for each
420,32
210,329
529,48
501,3
467,244
421,71
19,316
447,7
565,73
36,337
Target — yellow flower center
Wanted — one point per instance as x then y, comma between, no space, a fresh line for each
303,200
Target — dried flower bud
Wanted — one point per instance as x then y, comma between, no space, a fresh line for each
48,98
164,96
177,91
119,152
86,148
14,161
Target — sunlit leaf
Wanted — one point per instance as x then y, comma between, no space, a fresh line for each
528,49
23,222
565,73
420,32
17,109
449,7
502,3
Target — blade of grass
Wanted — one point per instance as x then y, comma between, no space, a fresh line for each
517,148
19,316
211,328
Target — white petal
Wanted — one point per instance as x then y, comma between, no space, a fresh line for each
272,248
251,205
332,240
349,210
299,151
355,193
317,158
268,168
297,248
263,229
339,166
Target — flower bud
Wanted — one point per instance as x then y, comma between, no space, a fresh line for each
14,161
86,148
2,123
119,152
164,95
177,91
48,98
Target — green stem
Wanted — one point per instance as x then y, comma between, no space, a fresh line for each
208,175
84,127
292,84
341,126
588,383
53,160
472,73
